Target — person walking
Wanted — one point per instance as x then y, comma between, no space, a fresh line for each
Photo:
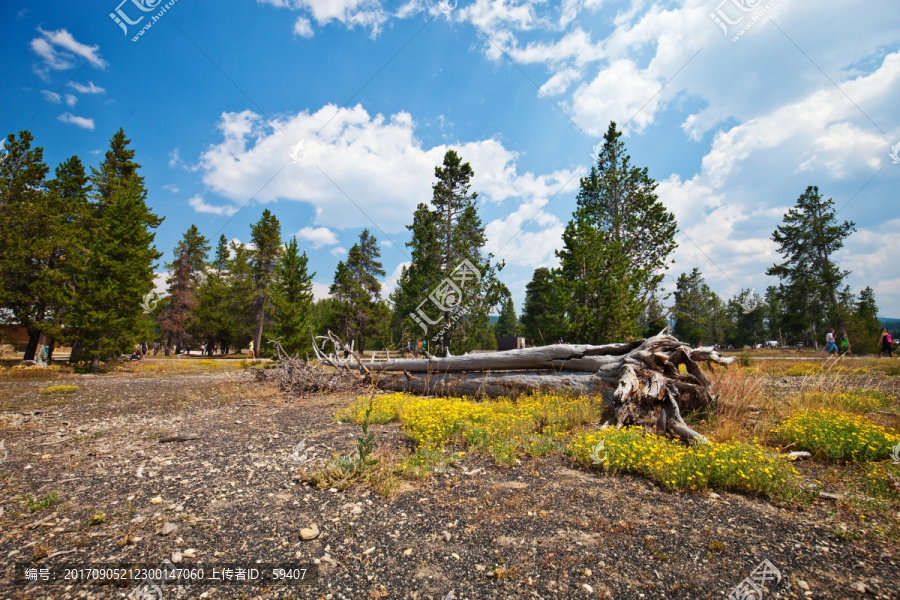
845,344
887,344
155,348
252,351
830,345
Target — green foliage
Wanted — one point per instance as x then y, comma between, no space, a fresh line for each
506,324
292,300
699,314
186,274
544,316
265,237
357,291
837,436
35,505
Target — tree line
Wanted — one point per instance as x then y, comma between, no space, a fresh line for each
77,262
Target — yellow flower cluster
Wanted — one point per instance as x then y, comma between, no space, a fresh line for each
838,436
732,465
852,400
60,389
501,428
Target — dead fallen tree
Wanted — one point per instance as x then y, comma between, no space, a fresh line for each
639,380
297,376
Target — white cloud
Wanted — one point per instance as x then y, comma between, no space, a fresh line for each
368,14
58,49
513,239
303,28
90,88
339,251
171,187
71,100
360,169
317,237
320,290
79,121
52,96
200,206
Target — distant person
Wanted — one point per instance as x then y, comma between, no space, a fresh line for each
887,344
179,349
845,344
252,352
830,345
155,348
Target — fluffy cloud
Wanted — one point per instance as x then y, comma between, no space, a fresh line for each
368,14
317,237
59,49
79,121
90,88
200,206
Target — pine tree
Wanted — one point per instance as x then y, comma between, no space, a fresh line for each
616,247
242,294
27,226
506,324
698,312
357,290
811,279
266,240
746,326
292,300
119,269
187,273
214,316
544,316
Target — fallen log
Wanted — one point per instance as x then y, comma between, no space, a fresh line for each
641,380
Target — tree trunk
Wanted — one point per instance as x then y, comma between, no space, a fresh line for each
640,380
31,347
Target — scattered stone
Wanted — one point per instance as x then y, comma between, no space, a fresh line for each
714,496
407,552
803,585
309,533
858,586
588,573
479,567
168,529
156,500
176,557
189,553
799,455
587,587
447,536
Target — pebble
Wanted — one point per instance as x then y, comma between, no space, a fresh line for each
803,585
407,552
714,496
588,573
189,553
587,588
309,533
446,535
168,529
156,500
479,567
858,586
176,557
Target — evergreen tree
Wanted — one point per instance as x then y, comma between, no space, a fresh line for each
544,316
266,240
242,296
616,247
744,326
862,325
119,269
698,312
292,300
357,290
450,285
27,226
214,317
187,273
507,323
808,239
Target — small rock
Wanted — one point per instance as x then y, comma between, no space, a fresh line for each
156,500
168,528
176,557
714,496
407,552
189,553
587,588
309,533
447,536
858,586
479,567
588,573
803,585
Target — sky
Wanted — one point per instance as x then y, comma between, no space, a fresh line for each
333,114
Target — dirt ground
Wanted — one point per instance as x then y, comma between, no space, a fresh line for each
542,529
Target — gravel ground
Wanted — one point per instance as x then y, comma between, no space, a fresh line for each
543,529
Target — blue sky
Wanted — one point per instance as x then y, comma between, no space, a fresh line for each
734,119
